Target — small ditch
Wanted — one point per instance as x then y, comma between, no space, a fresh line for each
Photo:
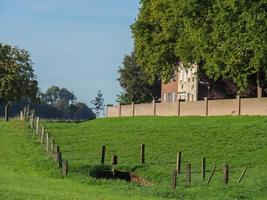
105,172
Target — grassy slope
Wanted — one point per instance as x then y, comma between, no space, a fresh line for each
26,172
238,141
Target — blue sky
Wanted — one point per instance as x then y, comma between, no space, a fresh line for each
77,44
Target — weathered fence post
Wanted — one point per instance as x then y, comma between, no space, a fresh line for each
114,160
242,175
42,135
226,174
188,174
211,175
37,124
103,154
47,142
178,162
174,179
21,116
65,168
32,121
203,168
52,144
142,154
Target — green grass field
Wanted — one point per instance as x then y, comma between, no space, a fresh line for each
238,141
27,172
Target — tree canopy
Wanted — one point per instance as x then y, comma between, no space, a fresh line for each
134,82
17,78
228,39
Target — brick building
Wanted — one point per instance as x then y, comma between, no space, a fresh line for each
185,86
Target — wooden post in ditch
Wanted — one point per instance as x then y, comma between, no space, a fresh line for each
114,161
211,175
142,154
242,175
174,179
103,154
65,167
226,174
178,162
203,169
188,174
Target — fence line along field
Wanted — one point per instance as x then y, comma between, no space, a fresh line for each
237,146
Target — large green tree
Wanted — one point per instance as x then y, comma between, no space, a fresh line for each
135,83
17,78
228,39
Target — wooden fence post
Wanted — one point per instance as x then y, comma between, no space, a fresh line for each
47,142
211,175
32,121
52,144
242,175
103,154
37,125
226,174
178,162
174,179
65,167
188,174
21,116
142,154
42,135
114,160
203,168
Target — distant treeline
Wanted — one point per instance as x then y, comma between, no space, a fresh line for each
55,103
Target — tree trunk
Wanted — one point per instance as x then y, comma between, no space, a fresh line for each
259,85
7,112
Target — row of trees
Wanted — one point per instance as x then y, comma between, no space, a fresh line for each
19,88
227,39
55,103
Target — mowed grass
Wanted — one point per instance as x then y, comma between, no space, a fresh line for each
238,141
27,172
